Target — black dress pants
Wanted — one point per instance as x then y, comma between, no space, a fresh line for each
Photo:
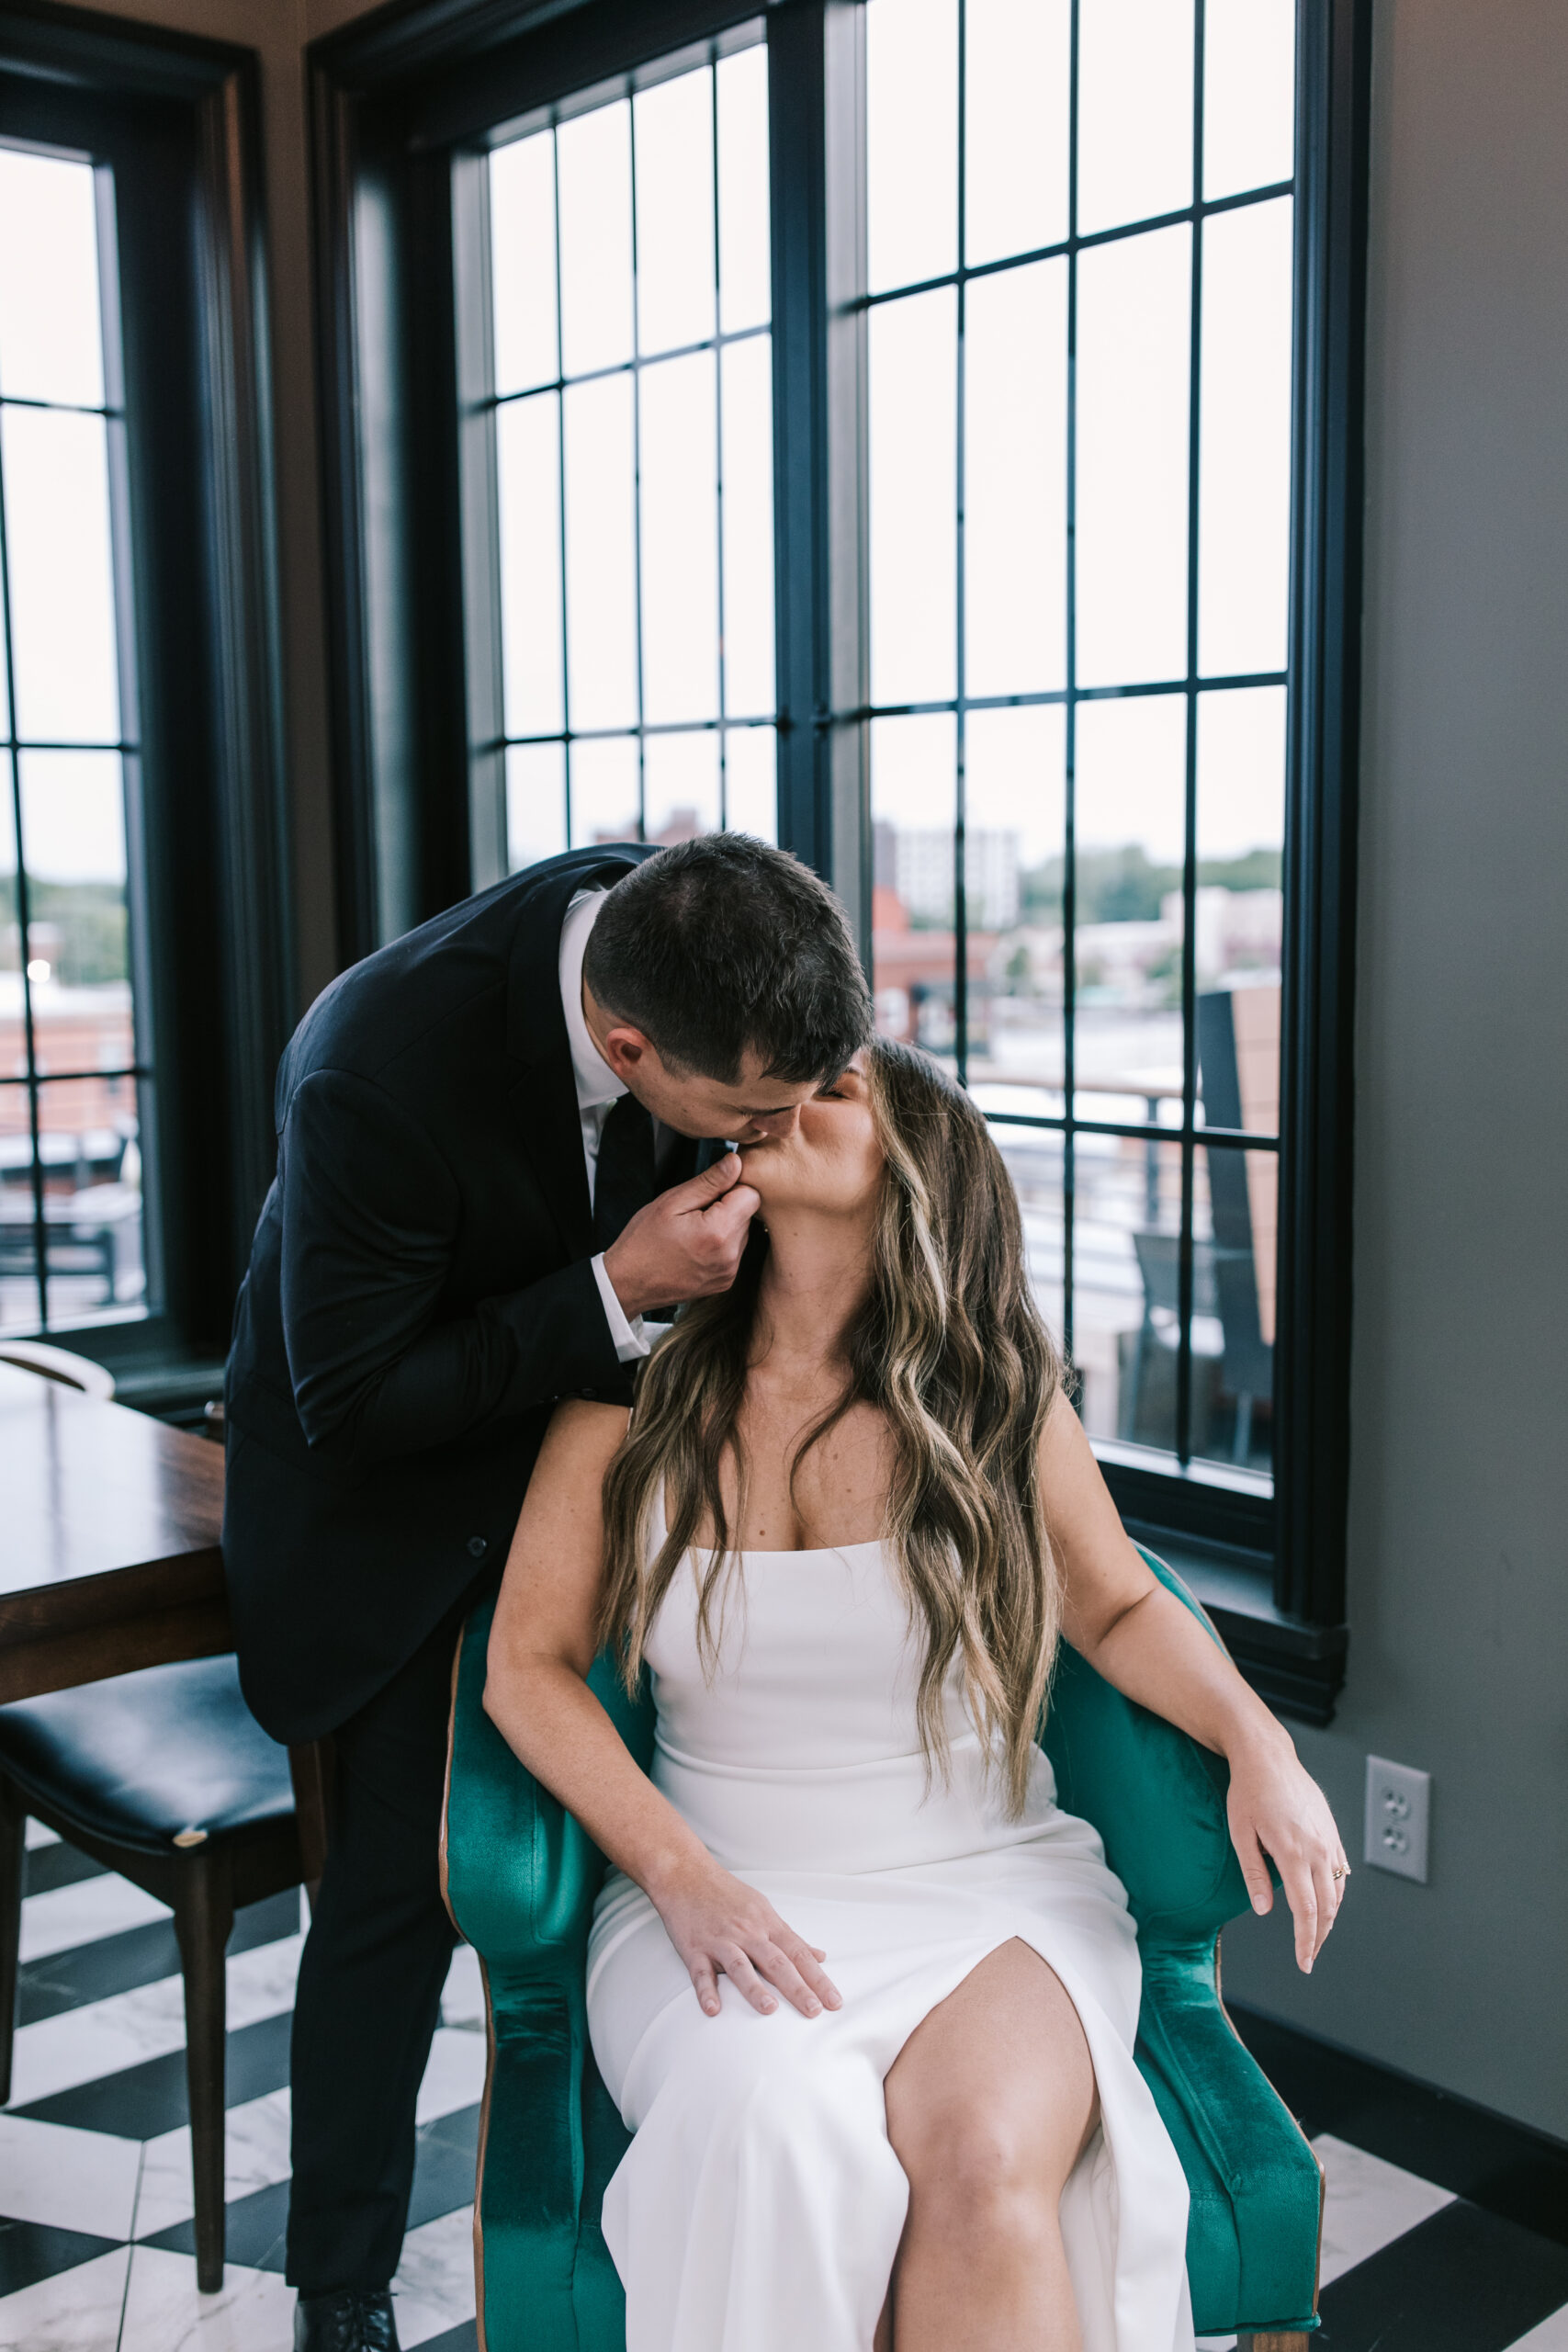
369,1991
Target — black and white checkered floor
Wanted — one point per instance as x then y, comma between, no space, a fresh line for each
96,2245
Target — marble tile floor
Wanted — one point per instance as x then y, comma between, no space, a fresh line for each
96,2246
96,2250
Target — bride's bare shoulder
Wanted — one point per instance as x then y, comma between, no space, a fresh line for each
582,1440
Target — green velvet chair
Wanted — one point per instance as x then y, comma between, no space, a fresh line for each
520,1878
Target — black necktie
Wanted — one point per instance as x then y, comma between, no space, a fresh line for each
624,1180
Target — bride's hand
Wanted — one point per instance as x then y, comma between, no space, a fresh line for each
1278,1810
718,1924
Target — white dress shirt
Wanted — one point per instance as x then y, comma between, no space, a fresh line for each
598,1090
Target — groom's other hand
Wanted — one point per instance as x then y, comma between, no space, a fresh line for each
685,1244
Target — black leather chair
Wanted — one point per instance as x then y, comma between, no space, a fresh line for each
165,1777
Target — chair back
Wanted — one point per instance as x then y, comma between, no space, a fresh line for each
59,1365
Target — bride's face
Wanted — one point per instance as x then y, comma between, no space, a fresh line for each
831,1160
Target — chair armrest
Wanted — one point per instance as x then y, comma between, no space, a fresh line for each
1255,2218
519,1874
1157,1797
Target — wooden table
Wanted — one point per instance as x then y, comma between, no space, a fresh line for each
109,1525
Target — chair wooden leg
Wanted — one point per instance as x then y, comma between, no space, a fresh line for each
13,1876
1290,2339
204,1913
313,1771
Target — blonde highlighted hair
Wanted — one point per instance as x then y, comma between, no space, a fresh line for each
949,1348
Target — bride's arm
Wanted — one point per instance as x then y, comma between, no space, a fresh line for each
1139,1636
541,1648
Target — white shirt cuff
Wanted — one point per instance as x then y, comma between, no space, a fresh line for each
632,1341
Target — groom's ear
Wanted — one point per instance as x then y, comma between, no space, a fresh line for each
627,1051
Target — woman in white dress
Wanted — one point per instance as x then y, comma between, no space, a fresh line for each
864,1994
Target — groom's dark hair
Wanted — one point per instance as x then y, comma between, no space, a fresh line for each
716,944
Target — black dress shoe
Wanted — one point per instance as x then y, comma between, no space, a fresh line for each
346,2322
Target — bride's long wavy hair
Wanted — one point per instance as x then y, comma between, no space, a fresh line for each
949,1347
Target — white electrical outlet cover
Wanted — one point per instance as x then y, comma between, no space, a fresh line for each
1399,1805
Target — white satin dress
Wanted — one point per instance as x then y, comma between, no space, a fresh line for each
760,2205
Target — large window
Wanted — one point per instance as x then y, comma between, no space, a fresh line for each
1080,287
948,409
144,949
70,1250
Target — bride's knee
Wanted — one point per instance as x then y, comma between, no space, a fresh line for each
980,2179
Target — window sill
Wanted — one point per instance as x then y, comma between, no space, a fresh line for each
1297,1670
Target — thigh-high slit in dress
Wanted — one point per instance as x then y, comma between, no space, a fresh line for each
760,2205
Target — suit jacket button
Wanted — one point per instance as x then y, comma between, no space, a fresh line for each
587,1395
478,1547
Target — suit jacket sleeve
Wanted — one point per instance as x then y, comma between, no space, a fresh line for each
370,1222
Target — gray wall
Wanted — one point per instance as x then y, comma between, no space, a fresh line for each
1459,1518
1459,1599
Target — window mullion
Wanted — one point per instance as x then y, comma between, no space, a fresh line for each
959,873
1069,844
816,77
1185,1287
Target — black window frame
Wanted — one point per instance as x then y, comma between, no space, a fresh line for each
177,119
400,107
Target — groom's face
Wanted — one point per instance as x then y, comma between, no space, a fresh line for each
754,1106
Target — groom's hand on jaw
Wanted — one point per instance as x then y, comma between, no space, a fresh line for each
687,1243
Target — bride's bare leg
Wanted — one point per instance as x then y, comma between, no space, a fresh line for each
989,2104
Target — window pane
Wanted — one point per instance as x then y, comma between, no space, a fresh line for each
752,784
535,803
50,324
911,138
593,153
1240,909
1126,1262
1244,529
20,1308
604,793
523,262
600,577
680,540
1018,92
1015,544
1249,93
73,841
13,1045
674,130
1133,397
1234,1248
914,808
1134,110
62,618
680,786
745,260
750,661
1131,833
528,491
92,1169
913,496
1014,844
1033,1158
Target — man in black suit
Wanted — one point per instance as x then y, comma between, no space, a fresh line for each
487,1173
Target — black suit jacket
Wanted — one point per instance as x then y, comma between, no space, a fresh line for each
420,1293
